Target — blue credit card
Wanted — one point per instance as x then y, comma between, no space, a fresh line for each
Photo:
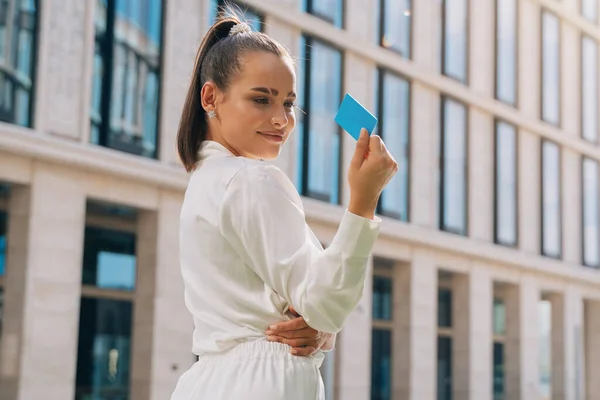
352,117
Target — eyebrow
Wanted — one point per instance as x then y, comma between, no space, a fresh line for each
272,91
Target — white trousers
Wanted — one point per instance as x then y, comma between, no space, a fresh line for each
257,370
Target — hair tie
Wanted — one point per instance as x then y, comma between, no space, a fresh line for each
240,27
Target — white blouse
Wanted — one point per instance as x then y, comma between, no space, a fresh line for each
247,254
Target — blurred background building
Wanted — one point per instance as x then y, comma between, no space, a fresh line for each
485,281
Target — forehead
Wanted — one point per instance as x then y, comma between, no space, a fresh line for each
267,70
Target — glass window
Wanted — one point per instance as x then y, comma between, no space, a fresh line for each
126,77
3,228
591,202
444,308
319,87
455,42
252,17
589,9
329,10
103,359
506,184
545,349
394,128
589,89
499,317
381,365
506,51
498,384
18,24
551,214
454,167
109,260
444,368
382,298
550,68
394,19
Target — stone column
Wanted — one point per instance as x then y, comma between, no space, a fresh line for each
43,286
592,349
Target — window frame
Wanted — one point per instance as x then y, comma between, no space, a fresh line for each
559,118
497,239
442,162
304,144
381,74
243,8
582,13
466,80
583,247
309,9
107,49
582,84
543,251
516,54
382,29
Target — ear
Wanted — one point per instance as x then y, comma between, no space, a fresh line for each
208,96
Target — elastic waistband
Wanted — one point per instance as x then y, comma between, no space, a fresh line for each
262,348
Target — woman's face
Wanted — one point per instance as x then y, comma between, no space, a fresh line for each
255,115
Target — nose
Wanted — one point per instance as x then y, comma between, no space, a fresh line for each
280,120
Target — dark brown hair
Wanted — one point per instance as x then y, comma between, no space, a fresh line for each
218,60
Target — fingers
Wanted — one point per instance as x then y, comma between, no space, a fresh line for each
362,147
299,333
299,347
291,325
376,145
303,351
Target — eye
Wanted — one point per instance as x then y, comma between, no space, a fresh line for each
290,104
261,101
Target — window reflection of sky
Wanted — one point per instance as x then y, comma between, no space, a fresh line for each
116,271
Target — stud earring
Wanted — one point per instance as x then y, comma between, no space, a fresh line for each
211,114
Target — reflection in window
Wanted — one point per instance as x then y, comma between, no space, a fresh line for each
126,77
251,17
109,260
506,51
394,21
394,126
550,68
319,87
499,314
3,228
444,308
551,214
589,9
454,167
381,365
545,346
589,88
103,359
382,298
455,42
18,24
591,202
444,368
329,10
506,184
498,383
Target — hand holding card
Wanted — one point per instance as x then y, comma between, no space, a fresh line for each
352,117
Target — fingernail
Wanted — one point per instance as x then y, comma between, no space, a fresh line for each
271,338
273,327
294,352
269,332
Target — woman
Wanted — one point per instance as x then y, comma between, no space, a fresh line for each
248,258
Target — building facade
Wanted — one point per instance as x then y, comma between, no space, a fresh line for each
484,284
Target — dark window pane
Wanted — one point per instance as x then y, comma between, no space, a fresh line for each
589,88
499,317
103,359
394,22
329,10
506,184
455,41
445,308
381,365
319,157
124,103
18,25
589,9
382,298
109,260
251,17
444,368
394,128
551,214
550,68
3,227
498,384
454,167
506,51
591,223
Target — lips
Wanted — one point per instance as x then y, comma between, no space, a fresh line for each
272,133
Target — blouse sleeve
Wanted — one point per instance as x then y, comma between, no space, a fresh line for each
262,218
